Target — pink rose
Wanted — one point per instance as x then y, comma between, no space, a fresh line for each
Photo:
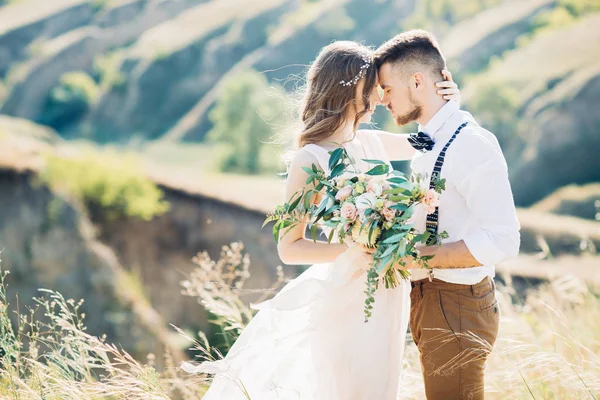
388,212
431,200
348,211
343,193
375,188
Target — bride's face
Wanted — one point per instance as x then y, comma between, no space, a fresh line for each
374,100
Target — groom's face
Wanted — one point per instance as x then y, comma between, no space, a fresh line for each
398,95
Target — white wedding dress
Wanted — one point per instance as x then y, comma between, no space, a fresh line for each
310,341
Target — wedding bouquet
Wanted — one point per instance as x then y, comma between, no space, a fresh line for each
373,209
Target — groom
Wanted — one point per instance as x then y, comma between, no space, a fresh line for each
454,313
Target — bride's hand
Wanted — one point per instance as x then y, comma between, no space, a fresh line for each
447,88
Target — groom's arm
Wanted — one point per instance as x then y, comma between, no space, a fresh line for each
480,176
449,255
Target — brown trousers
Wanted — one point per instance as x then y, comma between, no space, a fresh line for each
454,326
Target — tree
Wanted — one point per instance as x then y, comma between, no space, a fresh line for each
245,117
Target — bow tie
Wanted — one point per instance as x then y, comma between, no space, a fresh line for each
421,141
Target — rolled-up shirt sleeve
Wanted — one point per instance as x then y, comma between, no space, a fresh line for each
481,178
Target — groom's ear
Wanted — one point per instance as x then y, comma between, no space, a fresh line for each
418,80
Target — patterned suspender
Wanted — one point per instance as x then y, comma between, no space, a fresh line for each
432,219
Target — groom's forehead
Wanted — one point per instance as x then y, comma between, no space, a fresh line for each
384,74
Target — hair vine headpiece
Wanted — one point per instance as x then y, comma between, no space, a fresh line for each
361,73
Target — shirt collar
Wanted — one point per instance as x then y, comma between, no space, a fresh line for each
439,118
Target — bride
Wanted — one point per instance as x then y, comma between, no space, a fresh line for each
310,341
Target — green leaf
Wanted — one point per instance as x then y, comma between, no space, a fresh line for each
276,228
399,207
378,170
363,226
331,210
371,230
335,157
295,203
266,222
307,198
338,170
400,188
394,239
397,180
398,198
422,238
381,265
403,193
378,162
308,171
401,252
313,233
330,237
388,251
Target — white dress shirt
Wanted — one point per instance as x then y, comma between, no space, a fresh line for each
477,205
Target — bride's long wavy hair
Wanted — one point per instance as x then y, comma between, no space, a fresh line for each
324,107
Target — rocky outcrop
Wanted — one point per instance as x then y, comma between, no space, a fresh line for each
161,250
48,243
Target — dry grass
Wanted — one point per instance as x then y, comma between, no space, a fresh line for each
468,33
23,13
194,24
547,348
550,55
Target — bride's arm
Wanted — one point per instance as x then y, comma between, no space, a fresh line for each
293,248
396,145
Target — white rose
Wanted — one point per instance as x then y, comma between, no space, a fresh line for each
365,201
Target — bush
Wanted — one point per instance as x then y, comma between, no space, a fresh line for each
108,182
70,100
106,71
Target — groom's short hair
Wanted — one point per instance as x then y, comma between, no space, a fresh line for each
412,49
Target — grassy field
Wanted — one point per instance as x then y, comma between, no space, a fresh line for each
179,32
190,167
548,345
560,51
